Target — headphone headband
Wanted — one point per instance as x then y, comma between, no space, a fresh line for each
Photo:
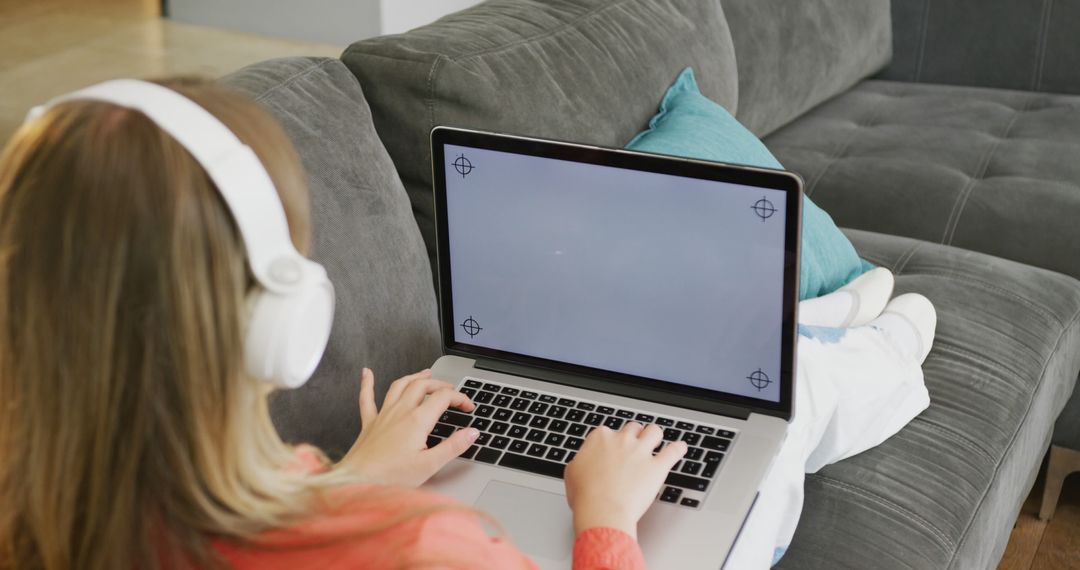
292,314
237,172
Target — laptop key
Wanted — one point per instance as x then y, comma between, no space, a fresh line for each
693,453
500,442
691,438
670,494
442,430
706,430
712,457
594,419
473,384
575,415
687,482
556,454
688,502
517,432
586,406
520,418
644,418
483,397
533,465
483,439
502,400
518,446
554,439
535,435
605,410
537,450
502,414
519,404
725,433
470,452
613,422
715,443
571,457
573,443
484,411
576,429
558,426
510,391
491,387
566,402
538,408
481,424
528,395
556,412
455,418
539,422
432,441
548,398
665,422
709,470
684,426
671,434
691,467
625,414
470,392
499,428
487,455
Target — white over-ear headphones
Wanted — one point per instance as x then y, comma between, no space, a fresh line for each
292,311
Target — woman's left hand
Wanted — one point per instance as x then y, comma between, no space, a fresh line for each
392,447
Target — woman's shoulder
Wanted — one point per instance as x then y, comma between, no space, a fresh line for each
376,527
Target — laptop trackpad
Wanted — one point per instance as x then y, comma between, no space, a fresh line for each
540,523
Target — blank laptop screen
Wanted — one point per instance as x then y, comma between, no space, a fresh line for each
659,276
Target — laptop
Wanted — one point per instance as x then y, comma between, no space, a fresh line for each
582,286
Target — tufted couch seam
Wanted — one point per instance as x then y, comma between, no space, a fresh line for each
300,74
1012,441
842,152
888,504
953,435
961,200
986,285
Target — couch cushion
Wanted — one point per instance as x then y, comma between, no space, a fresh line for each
945,491
364,235
580,70
795,54
983,169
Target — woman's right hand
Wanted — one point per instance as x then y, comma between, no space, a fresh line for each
614,478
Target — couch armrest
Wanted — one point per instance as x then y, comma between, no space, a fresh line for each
1009,44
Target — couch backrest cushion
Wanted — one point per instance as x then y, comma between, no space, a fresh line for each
365,236
582,70
794,54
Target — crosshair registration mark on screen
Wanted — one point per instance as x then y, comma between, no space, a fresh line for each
471,327
462,165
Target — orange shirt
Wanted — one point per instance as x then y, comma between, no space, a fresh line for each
362,527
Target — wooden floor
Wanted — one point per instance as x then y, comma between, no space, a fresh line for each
1053,545
48,47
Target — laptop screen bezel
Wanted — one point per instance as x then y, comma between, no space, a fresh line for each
657,390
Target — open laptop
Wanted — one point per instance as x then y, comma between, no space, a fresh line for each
583,286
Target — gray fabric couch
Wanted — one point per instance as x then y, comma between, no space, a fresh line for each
964,192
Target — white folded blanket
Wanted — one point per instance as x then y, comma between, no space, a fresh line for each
854,389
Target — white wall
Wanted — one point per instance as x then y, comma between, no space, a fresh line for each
403,15
330,21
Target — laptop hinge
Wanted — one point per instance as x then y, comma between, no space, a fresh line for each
614,387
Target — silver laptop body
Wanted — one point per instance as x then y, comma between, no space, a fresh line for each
582,286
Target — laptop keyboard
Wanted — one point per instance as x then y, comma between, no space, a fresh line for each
541,432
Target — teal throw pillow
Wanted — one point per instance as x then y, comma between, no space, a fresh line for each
692,126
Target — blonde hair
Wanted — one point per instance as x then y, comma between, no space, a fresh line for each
129,435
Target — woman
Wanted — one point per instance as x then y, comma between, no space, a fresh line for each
131,436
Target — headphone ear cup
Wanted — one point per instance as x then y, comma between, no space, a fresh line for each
288,333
